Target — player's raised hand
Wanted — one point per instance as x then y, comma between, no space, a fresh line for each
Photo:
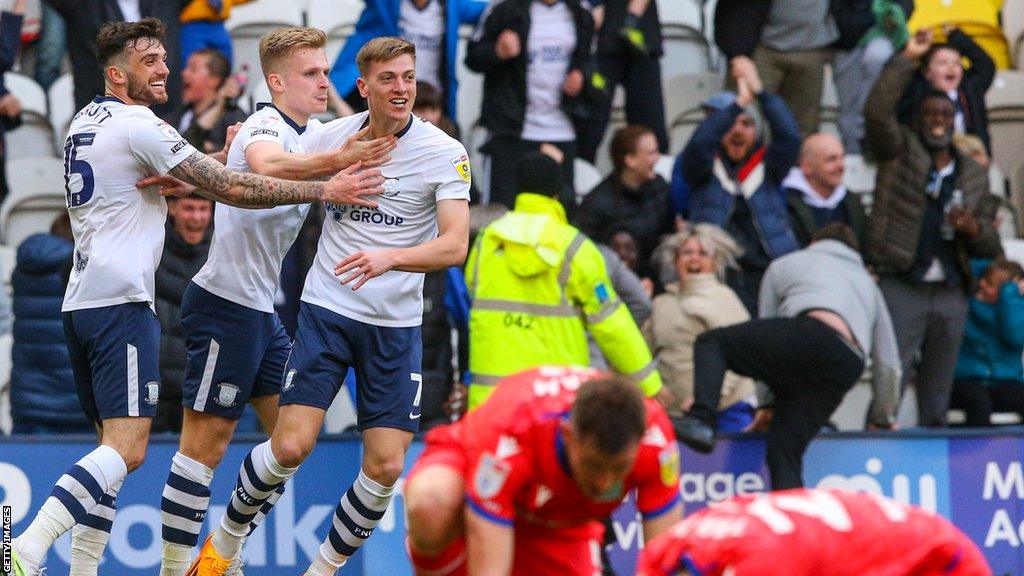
352,186
362,266
167,186
371,153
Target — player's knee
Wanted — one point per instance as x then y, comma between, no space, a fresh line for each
385,470
432,513
290,452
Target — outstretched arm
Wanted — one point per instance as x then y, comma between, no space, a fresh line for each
216,182
271,159
448,249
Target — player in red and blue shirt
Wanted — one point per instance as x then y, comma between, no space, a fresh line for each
810,533
520,484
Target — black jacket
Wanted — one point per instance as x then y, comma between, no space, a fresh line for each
854,18
976,81
197,137
179,263
645,213
608,39
738,25
504,102
84,18
801,217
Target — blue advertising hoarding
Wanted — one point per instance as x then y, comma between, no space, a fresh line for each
975,480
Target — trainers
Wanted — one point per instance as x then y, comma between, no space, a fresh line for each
208,562
237,564
694,433
21,567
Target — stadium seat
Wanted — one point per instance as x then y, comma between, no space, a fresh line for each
586,176
248,22
62,107
664,167
1017,194
686,93
272,13
471,85
35,135
1007,91
1013,30
687,52
1006,128
35,198
335,17
686,13
681,128
708,27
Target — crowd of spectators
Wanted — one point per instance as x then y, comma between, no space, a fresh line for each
756,181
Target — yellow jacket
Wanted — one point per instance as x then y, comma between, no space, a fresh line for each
200,11
537,286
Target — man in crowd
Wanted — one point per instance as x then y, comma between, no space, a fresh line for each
538,286
734,178
538,77
822,316
810,533
632,198
815,195
369,320
519,486
924,228
113,335
186,245
209,93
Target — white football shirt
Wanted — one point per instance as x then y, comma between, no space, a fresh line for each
426,167
425,30
119,229
550,44
244,265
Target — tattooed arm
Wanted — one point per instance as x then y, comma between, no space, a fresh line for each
217,183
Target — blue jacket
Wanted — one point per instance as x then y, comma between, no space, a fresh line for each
711,202
42,384
994,339
380,18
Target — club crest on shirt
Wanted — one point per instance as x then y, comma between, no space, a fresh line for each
490,476
461,165
169,131
390,188
226,394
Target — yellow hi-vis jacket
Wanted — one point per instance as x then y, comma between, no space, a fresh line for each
537,286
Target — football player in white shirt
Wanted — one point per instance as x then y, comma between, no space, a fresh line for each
362,308
236,345
113,335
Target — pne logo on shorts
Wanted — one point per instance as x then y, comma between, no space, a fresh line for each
226,394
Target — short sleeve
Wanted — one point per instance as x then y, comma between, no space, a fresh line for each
494,482
453,176
262,128
657,467
157,144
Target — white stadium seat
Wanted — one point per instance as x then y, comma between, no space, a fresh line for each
680,13
1013,29
35,135
1007,90
36,197
664,167
335,17
859,176
267,13
687,52
684,94
471,85
61,97
585,176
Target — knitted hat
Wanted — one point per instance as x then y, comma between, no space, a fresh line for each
539,173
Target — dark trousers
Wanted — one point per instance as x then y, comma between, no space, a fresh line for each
808,366
979,400
641,79
505,152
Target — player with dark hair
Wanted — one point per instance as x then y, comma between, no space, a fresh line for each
812,533
519,485
114,143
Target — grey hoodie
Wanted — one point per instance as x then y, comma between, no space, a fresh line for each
829,275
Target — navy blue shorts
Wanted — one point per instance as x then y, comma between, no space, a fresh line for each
386,361
234,353
115,355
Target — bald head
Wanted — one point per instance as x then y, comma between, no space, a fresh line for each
821,161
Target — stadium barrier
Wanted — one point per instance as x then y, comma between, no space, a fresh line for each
975,478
